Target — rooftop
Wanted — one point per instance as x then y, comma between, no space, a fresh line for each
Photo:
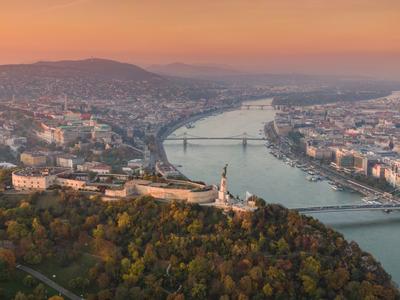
39,172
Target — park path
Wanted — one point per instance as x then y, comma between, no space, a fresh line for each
49,282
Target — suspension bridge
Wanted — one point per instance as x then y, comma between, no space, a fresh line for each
185,137
339,208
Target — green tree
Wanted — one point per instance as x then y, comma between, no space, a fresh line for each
199,291
309,285
338,278
229,285
20,296
15,230
124,220
40,291
29,281
267,290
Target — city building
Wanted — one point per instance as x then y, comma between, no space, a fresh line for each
319,152
95,167
35,178
68,161
33,159
16,143
344,158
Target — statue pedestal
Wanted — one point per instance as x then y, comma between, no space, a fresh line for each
223,191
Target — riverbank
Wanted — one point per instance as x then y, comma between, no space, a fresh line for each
333,175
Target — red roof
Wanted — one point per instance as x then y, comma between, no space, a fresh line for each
85,116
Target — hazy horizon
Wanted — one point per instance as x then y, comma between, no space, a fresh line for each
353,37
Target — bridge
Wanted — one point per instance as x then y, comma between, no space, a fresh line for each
257,106
188,137
357,207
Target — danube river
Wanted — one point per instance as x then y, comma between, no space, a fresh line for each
254,169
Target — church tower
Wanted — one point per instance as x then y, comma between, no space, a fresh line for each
65,103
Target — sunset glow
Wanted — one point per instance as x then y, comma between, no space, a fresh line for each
284,35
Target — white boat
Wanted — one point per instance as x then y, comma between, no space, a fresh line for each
371,199
337,188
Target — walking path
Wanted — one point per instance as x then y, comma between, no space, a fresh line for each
49,282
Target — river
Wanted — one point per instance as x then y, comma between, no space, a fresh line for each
254,169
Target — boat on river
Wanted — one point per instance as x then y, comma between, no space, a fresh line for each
336,187
371,199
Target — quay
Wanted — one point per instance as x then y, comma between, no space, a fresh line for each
331,174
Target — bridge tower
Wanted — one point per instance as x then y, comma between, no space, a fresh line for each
244,140
184,139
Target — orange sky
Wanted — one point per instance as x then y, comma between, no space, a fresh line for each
359,36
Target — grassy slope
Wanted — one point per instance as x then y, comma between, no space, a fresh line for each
49,267
14,285
78,268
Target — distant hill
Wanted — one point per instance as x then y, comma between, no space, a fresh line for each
85,79
194,71
94,67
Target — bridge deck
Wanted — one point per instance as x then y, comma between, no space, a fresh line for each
257,105
338,208
215,138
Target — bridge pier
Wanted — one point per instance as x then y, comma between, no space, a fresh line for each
184,139
244,140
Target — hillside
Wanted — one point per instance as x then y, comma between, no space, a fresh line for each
101,68
89,78
194,71
141,249
94,67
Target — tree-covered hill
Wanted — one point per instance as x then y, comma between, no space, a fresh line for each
328,96
147,250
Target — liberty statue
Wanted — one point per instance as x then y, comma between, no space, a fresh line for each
224,171
223,188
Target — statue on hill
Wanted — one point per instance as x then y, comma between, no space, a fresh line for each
224,171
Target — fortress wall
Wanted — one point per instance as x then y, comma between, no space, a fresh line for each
203,197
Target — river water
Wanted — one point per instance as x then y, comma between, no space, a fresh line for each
254,169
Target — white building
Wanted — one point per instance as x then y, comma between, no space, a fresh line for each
68,161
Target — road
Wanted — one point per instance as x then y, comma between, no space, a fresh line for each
133,148
49,282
